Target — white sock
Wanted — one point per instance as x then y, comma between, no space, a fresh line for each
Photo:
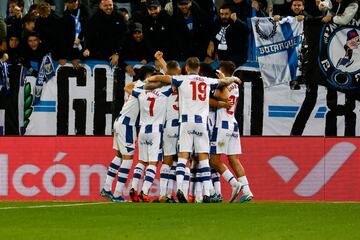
180,172
112,170
164,178
186,181
138,173
246,189
229,177
215,178
122,176
204,169
149,178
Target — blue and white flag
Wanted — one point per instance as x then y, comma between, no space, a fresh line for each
277,48
4,76
46,72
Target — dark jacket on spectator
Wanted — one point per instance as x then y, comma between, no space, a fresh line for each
137,51
236,39
33,57
105,35
69,32
157,32
48,29
191,43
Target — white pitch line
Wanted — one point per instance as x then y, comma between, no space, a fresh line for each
52,206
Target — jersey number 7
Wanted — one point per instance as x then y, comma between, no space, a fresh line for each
151,108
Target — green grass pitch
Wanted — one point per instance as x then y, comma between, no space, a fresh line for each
105,221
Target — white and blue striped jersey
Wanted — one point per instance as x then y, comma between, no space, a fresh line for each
194,92
152,105
130,111
227,116
172,108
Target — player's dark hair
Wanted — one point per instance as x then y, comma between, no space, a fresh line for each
143,71
172,64
227,67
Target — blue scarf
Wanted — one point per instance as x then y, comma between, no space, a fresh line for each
77,28
46,72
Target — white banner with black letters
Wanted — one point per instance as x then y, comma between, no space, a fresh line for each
277,47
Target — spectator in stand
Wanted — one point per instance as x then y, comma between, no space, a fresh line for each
47,25
106,34
191,30
278,7
298,11
75,22
340,12
125,13
229,40
33,53
33,10
243,8
156,25
311,7
13,20
28,26
13,47
136,48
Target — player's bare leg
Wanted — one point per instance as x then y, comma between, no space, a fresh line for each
221,168
240,174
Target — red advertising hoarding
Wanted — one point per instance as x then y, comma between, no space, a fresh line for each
278,168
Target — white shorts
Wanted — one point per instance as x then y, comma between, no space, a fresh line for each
149,146
124,138
226,141
170,139
194,137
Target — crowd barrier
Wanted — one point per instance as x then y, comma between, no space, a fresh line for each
86,101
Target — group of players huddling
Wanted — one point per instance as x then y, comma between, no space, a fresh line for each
185,120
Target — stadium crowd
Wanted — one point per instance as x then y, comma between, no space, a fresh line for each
184,30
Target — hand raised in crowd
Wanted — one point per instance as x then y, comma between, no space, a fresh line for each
269,10
300,18
233,17
114,59
326,19
76,63
130,70
86,53
77,41
17,12
277,18
143,62
4,58
256,5
62,61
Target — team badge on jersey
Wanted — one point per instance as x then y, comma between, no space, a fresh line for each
339,56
